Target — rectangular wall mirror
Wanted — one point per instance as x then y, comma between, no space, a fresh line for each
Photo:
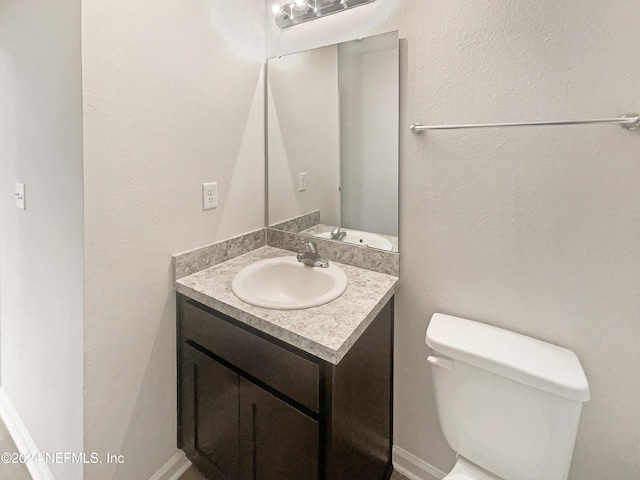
332,142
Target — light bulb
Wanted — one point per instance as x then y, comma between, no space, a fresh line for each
300,5
275,9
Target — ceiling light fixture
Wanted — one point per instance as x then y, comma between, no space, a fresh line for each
300,11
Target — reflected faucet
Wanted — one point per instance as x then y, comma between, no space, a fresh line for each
310,256
337,234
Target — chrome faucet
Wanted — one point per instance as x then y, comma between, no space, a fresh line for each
337,234
310,256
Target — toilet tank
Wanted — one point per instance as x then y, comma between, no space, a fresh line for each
509,403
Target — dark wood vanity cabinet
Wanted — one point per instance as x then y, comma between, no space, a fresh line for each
229,424
251,407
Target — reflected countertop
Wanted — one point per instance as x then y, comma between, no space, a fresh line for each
322,228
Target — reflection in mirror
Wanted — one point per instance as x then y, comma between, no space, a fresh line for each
333,142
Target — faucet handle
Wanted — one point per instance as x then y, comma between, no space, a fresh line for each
337,234
310,246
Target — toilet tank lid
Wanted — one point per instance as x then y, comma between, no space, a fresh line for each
520,358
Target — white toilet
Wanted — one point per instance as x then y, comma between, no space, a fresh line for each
508,404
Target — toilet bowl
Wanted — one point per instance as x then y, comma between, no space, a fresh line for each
509,405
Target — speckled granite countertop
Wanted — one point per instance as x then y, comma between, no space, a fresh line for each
327,331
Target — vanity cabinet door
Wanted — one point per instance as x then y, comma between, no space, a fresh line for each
210,415
277,441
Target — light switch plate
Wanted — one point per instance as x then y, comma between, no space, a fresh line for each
302,181
20,196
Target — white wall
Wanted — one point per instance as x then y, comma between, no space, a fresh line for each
173,98
304,136
535,230
41,248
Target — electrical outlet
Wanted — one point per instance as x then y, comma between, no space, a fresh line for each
209,195
20,196
302,181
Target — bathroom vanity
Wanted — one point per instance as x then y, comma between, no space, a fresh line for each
285,395
268,393
253,407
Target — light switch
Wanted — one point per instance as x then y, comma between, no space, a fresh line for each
20,196
302,181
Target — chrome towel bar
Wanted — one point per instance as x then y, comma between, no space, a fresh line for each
630,121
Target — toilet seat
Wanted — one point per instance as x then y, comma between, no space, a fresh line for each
457,476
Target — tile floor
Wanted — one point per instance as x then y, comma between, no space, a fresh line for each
193,474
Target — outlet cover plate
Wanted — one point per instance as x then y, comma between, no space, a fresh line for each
209,195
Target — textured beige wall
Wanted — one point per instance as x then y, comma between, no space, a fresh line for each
173,97
534,230
41,247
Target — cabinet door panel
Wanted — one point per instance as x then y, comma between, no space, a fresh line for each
294,376
277,441
210,417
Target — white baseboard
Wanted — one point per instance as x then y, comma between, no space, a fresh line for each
174,468
404,463
22,438
413,467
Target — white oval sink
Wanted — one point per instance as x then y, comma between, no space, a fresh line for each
367,239
284,283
